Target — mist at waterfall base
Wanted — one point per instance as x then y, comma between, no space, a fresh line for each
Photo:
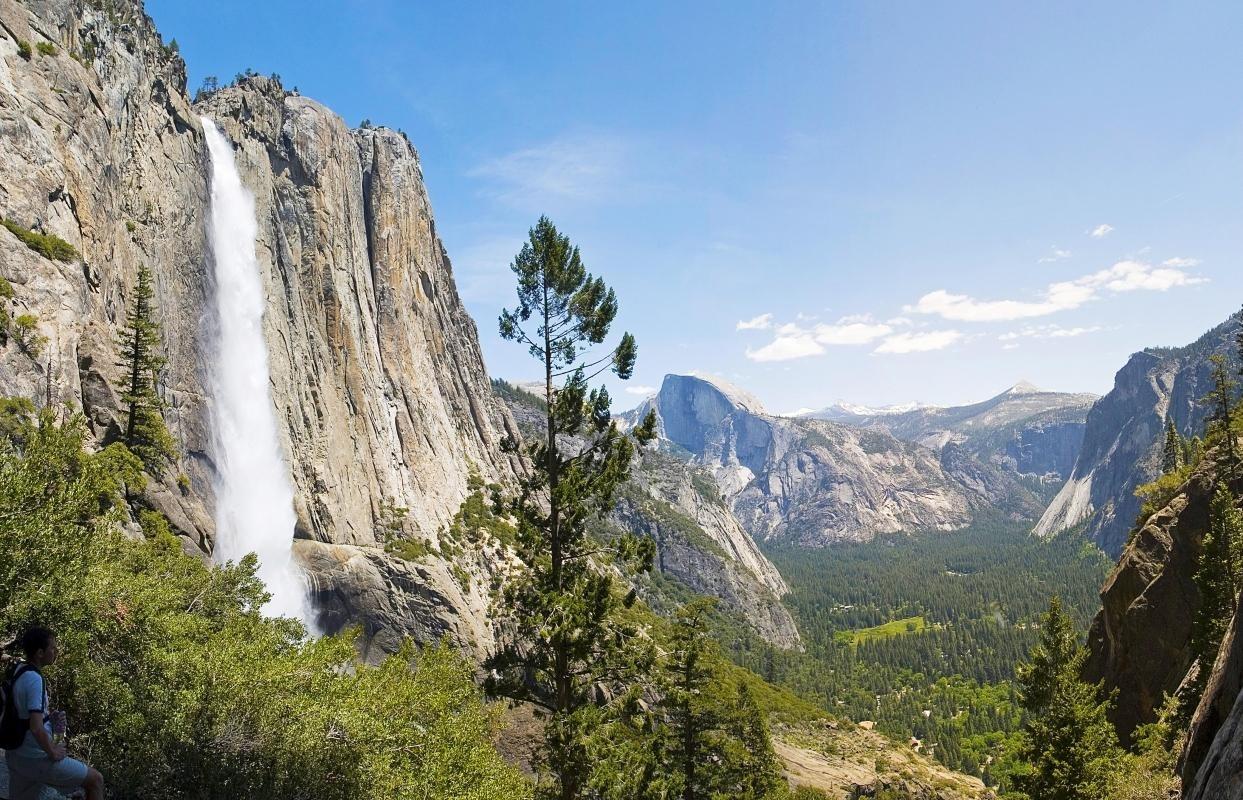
254,496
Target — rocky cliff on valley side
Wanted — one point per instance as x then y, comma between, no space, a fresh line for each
1124,433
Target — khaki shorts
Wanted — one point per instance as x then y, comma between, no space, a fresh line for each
29,778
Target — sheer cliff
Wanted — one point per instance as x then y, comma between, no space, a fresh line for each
1122,439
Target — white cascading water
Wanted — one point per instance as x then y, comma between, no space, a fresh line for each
254,496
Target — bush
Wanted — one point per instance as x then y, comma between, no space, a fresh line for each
23,49
45,244
26,331
46,48
177,685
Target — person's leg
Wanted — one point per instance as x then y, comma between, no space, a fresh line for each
94,784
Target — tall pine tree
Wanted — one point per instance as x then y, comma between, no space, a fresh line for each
145,433
1068,743
1221,417
574,652
715,740
1218,581
1172,455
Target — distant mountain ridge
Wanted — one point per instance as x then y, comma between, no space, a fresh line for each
816,482
1027,430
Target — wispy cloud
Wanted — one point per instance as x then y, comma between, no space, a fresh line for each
793,340
761,323
1124,276
641,391
1048,332
578,167
1180,263
1055,254
1101,231
918,342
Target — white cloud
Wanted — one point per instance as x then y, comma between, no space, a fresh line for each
579,168
792,340
1048,332
1180,263
918,341
787,346
1131,276
1124,276
856,332
1056,254
761,323
641,391
1101,231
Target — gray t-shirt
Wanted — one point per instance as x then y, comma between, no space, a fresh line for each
29,697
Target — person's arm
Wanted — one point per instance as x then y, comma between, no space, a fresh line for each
55,751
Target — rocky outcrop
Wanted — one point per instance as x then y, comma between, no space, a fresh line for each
816,482
381,393
1139,641
1211,764
1026,430
1122,440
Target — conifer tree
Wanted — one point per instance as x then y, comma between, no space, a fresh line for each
1218,581
715,742
1221,397
1172,456
1068,743
145,433
574,651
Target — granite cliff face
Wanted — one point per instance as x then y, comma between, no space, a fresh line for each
817,482
1122,440
376,373
1026,430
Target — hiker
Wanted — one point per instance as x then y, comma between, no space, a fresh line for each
40,760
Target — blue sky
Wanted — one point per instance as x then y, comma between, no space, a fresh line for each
877,202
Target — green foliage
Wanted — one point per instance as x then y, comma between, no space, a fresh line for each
46,48
981,592
1173,449
25,329
145,432
886,630
575,646
45,244
6,289
1222,416
1218,581
1069,746
1157,494
1150,773
507,391
177,686
714,742
23,49
477,519
410,549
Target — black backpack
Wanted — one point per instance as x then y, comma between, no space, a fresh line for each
12,727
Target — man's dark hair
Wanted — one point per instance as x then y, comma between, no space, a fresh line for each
36,638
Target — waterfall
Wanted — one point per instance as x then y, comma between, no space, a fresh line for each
254,496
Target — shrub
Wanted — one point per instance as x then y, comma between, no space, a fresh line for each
6,289
23,49
46,48
26,332
178,686
45,244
